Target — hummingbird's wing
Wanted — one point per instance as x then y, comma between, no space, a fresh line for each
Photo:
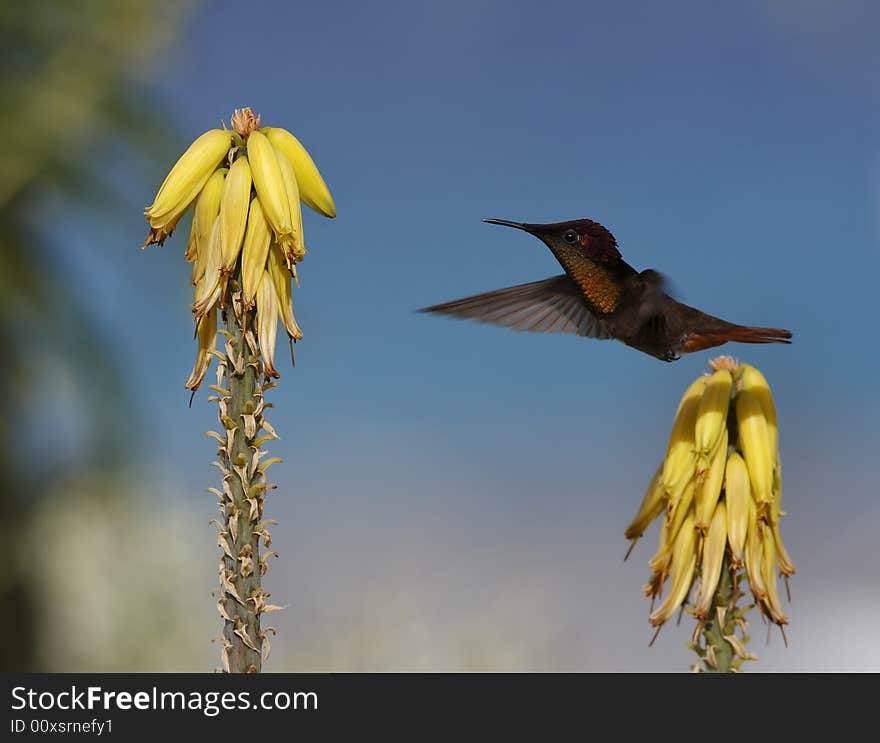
652,289
554,305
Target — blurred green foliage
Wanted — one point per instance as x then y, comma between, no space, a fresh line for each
71,75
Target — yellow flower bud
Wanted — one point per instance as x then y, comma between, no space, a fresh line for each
186,179
312,189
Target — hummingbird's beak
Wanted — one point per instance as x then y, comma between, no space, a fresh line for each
508,223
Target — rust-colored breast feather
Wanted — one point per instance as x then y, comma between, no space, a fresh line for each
599,288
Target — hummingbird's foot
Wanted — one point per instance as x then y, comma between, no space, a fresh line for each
670,356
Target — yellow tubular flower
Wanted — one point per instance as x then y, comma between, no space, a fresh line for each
206,210
738,497
209,288
709,490
753,382
783,561
186,180
651,507
712,415
191,247
257,237
234,212
172,212
294,249
680,509
267,324
754,553
654,587
684,559
162,226
713,557
192,170
755,444
659,563
312,189
207,334
674,494
773,604
269,185
679,463
776,494
277,270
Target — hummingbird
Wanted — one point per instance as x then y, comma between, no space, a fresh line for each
601,296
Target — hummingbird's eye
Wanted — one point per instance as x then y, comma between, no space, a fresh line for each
570,236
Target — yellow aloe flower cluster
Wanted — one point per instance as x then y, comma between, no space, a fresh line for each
244,186
719,491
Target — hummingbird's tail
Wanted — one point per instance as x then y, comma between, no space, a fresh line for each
698,341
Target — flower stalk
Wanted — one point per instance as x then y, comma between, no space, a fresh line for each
716,642
244,243
719,491
239,566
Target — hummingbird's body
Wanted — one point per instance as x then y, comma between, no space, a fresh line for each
601,296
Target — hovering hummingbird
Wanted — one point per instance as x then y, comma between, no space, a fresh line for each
601,296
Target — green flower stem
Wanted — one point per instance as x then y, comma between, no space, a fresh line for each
714,632
244,573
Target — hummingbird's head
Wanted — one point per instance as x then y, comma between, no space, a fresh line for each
596,242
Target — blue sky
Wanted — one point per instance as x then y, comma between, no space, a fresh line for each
466,473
